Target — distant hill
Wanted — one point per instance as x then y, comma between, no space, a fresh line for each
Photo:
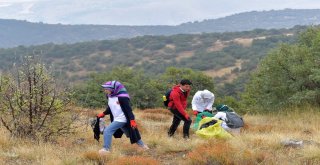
14,33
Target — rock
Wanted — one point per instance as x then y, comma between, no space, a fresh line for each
292,143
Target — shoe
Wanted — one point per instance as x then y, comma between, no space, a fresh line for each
145,147
104,151
170,134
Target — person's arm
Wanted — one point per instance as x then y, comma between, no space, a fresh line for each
209,106
106,112
125,106
177,102
194,102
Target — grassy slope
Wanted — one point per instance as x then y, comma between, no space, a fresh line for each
259,143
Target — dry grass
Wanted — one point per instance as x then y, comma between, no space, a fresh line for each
135,160
259,143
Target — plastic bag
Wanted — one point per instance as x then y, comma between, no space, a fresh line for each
212,131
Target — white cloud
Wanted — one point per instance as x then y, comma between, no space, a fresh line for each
27,9
4,4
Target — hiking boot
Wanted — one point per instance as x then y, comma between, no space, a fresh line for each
104,151
186,136
170,134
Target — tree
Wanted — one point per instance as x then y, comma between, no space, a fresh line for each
143,92
289,75
32,103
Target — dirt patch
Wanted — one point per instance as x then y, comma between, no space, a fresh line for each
185,54
217,46
170,46
144,59
245,42
221,72
107,53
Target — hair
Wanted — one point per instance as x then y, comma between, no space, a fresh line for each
185,82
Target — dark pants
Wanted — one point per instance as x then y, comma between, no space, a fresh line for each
177,117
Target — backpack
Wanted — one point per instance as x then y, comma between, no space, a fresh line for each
234,120
166,98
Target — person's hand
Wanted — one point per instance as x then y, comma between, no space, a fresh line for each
133,124
187,116
195,112
100,115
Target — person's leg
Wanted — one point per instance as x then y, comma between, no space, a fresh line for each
177,117
186,127
109,131
125,131
174,125
139,142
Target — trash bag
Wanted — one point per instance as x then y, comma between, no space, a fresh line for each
97,125
199,117
215,130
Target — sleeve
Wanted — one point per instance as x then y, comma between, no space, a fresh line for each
125,106
209,106
194,102
177,102
107,111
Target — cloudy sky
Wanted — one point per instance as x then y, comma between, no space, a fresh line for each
138,12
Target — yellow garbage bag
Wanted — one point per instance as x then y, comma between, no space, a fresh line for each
213,131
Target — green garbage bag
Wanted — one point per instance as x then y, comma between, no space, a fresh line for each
207,131
199,117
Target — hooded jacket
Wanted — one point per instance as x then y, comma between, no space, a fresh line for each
202,100
178,99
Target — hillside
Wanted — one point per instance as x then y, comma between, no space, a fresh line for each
14,33
216,54
228,58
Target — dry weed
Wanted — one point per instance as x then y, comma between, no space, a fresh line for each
135,160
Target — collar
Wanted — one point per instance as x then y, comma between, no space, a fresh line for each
182,89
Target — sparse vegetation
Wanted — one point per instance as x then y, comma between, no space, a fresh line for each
32,103
259,143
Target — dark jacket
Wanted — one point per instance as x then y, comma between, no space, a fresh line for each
178,100
134,134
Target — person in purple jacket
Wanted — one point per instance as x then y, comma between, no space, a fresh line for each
122,118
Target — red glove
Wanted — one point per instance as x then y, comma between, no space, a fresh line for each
100,115
187,116
133,124
195,112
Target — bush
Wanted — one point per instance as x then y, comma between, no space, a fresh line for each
32,103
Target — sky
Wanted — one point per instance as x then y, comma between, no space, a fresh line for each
138,12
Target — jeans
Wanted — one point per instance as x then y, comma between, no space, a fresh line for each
111,129
177,117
